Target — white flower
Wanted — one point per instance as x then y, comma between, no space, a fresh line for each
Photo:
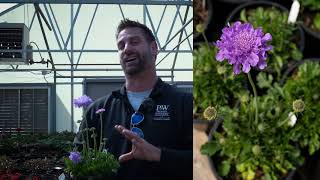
292,119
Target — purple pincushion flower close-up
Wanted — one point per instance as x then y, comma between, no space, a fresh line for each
242,45
82,101
75,157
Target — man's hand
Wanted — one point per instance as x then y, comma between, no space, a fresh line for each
141,149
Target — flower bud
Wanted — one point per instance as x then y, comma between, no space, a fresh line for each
210,113
315,97
200,28
256,149
244,98
298,105
261,127
222,140
221,69
93,135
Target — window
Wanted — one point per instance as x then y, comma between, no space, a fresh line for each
27,109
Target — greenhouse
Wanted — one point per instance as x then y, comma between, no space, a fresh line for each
53,52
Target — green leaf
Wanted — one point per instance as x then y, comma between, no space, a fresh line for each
224,168
316,21
210,148
296,54
243,16
264,81
267,177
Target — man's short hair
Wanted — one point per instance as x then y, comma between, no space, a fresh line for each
126,23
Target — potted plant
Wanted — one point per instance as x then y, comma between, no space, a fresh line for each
265,137
309,17
310,10
92,162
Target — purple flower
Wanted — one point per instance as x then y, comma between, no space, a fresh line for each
241,44
75,157
100,111
82,101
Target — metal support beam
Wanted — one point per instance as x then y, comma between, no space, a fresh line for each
72,68
132,2
178,46
85,39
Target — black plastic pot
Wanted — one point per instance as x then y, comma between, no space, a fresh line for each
203,125
312,42
236,13
234,1
290,70
197,36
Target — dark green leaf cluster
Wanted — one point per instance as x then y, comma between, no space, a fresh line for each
214,81
305,85
310,4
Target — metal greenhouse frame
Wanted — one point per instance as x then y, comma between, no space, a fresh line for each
44,14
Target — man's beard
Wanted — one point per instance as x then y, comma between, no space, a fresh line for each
139,67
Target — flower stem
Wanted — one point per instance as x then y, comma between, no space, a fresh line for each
205,39
100,146
87,129
255,97
286,120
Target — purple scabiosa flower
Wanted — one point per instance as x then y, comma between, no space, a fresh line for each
241,44
100,111
82,101
75,157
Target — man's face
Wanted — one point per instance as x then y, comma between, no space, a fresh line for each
134,51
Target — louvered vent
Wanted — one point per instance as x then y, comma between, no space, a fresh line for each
13,37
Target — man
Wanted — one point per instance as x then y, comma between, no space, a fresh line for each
148,123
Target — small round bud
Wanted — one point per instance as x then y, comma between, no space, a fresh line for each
221,69
210,113
93,135
200,28
261,127
244,98
315,97
256,149
298,105
222,140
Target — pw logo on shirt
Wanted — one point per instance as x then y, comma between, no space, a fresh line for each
162,112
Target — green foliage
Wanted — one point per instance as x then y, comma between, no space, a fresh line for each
310,4
270,145
214,82
305,85
96,164
316,21
284,35
62,140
